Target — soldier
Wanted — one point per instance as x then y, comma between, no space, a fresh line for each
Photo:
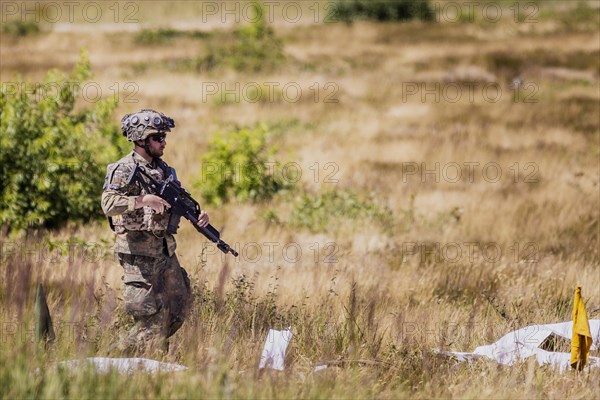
156,288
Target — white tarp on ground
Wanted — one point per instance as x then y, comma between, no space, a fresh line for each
122,365
273,354
524,343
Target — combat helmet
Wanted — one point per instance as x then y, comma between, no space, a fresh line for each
139,125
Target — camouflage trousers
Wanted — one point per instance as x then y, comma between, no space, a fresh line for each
157,294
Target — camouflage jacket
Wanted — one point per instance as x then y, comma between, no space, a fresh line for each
138,231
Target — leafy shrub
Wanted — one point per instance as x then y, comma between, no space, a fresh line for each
318,212
236,166
53,158
378,10
580,17
164,35
255,48
20,28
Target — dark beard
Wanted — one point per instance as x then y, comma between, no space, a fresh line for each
155,154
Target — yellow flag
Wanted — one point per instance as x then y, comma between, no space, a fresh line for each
582,338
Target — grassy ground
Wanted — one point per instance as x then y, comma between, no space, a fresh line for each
460,260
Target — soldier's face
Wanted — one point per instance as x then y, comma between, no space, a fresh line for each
157,144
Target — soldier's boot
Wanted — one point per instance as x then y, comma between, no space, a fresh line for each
127,345
146,336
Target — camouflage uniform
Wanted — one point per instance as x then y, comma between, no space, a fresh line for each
156,288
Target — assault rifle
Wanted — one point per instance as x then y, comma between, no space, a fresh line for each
182,204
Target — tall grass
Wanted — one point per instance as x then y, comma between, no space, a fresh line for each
373,293
367,329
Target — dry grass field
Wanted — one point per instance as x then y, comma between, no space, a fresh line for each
470,147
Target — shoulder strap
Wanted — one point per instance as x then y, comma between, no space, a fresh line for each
168,171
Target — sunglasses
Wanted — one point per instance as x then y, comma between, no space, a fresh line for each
159,138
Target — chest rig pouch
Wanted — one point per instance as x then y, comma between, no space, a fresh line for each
144,219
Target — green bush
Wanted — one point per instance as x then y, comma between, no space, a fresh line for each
255,48
165,35
19,28
251,47
53,158
381,10
580,17
155,36
320,212
237,166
